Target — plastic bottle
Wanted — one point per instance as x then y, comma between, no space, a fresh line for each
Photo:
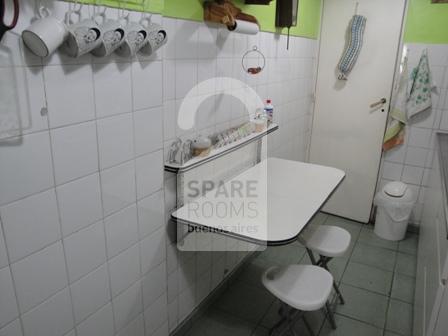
269,110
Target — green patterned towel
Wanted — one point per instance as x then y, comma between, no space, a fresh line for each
420,95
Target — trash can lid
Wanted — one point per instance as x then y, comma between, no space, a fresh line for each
395,189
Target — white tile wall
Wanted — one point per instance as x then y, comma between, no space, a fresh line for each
148,130
149,172
111,81
154,285
121,230
85,250
31,224
79,203
150,213
136,327
39,276
26,167
118,187
12,329
127,306
69,92
57,312
147,84
116,144
155,314
90,293
75,153
84,247
8,308
100,323
3,255
408,162
124,270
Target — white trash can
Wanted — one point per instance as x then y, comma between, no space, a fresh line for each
394,206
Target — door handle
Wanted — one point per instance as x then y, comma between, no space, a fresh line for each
382,101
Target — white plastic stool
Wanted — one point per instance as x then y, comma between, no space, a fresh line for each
329,242
300,288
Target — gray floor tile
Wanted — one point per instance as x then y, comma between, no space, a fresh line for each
315,319
319,219
349,327
399,318
374,256
390,333
283,255
406,264
246,308
403,288
219,323
353,227
246,302
368,237
254,270
271,317
363,305
409,244
368,277
261,331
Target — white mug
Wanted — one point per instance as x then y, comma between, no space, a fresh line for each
83,36
157,37
136,37
113,35
45,35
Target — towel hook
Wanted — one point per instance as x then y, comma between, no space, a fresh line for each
356,8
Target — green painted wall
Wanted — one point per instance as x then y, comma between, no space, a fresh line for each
309,12
152,6
308,24
426,22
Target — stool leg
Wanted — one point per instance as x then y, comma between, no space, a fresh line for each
312,257
335,286
338,292
331,316
308,326
275,330
291,322
283,312
291,329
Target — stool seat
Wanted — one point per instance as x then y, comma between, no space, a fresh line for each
329,241
303,287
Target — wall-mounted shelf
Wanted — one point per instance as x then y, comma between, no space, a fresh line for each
215,153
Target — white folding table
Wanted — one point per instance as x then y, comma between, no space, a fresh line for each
285,194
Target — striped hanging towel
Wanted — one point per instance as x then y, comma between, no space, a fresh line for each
353,46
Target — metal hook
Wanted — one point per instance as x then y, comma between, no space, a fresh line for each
76,2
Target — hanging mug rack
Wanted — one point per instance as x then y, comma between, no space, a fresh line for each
97,34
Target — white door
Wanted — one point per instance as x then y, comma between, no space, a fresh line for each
347,133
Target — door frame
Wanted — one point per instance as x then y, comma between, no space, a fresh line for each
398,59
